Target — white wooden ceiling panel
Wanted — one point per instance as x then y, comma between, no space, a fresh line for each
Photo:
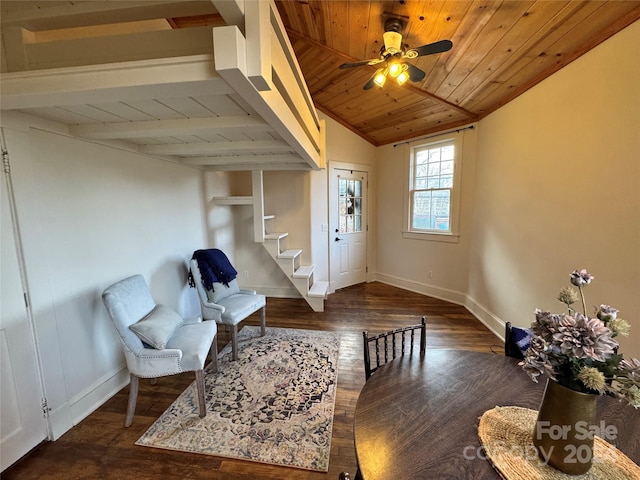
188,107
221,105
61,115
94,113
146,141
187,138
226,136
242,103
155,109
166,141
125,111
265,136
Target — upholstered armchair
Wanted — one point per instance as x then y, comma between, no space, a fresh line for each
227,304
156,340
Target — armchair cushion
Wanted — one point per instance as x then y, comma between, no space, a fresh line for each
221,291
158,326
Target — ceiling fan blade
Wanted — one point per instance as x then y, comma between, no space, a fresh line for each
373,61
370,83
430,49
415,74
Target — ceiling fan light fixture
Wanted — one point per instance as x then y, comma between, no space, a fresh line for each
395,69
381,76
402,77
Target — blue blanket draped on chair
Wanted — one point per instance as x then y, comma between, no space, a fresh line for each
214,267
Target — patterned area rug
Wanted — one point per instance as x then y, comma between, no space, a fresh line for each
274,405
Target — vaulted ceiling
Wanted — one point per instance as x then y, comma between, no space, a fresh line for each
142,71
500,50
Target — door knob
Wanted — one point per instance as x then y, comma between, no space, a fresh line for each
338,239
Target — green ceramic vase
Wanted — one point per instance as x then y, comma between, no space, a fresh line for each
563,434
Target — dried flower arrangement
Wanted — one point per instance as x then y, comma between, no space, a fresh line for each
580,352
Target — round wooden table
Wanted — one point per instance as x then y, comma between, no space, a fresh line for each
417,418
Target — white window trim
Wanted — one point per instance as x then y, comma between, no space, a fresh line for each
453,235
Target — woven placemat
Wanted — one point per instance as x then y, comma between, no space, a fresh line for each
506,437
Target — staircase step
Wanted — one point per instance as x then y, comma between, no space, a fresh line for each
305,271
319,289
289,254
275,236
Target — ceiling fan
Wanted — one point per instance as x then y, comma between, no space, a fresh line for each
394,52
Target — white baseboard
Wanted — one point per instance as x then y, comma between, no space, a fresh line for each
419,287
102,390
488,319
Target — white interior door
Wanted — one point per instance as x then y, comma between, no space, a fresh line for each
348,218
22,423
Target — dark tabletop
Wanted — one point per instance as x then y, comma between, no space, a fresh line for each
417,418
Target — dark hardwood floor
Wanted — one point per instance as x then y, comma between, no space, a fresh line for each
100,447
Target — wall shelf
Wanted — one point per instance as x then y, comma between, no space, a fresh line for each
237,200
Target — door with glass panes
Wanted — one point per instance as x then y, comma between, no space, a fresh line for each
348,229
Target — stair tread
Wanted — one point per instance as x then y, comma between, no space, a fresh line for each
319,289
289,253
304,271
275,235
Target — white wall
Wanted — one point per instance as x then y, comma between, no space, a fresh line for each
91,215
558,188
405,262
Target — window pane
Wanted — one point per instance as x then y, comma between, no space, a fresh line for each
446,181
421,210
433,182
342,206
434,169
358,204
349,223
349,205
431,210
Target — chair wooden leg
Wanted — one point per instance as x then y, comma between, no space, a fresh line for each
234,342
263,321
200,385
214,353
133,397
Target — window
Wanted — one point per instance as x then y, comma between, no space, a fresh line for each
433,189
349,205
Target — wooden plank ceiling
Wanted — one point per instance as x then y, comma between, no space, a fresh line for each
500,50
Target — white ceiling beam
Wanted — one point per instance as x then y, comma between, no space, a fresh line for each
232,11
243,159
116,82
235,167
258,23
159,128
199,149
